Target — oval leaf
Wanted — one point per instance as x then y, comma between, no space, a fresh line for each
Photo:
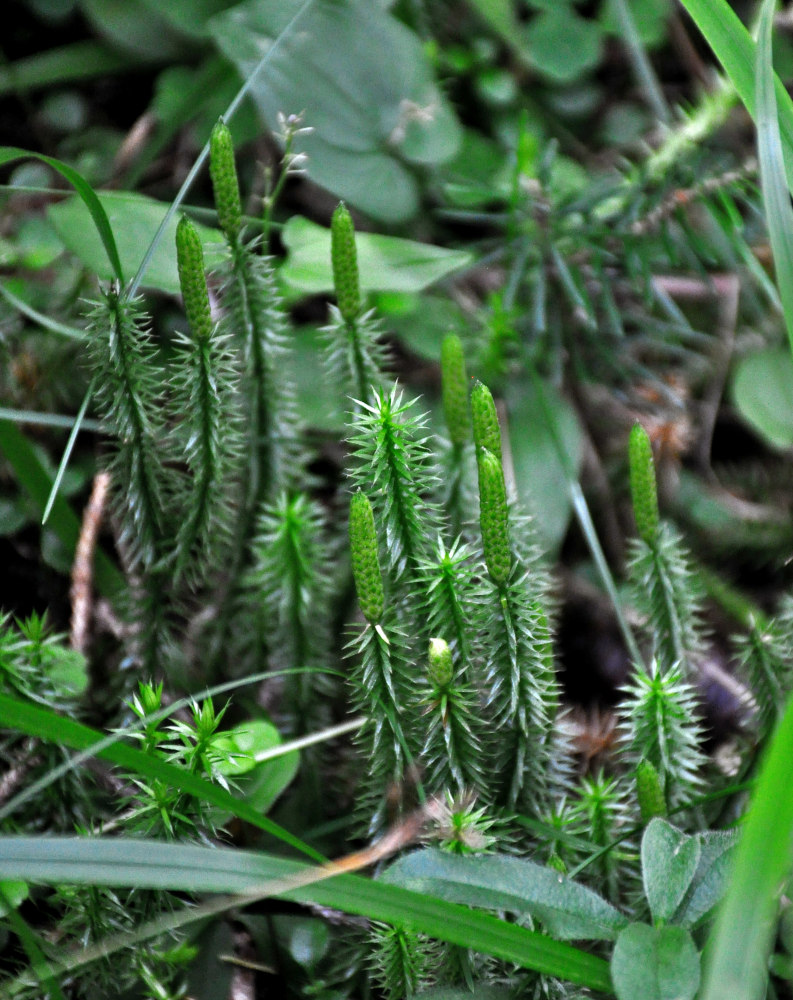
652,963
762,390
669,861
500,882
385,263
135,219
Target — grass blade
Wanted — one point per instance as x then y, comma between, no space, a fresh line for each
45,322
8,154
773,183
60,420
67,452
44,724
737,953
104,861
734,48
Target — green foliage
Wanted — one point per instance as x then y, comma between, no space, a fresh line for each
400,960
227,515
392,464
452,749
669,597
659,724
456,408
129,380
288,588
487,433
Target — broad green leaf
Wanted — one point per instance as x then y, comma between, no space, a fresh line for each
650,16
669,861
562,45
710,879
306,939
501,882
421,321
12,893
67,670
762,390
773,183
317,397
539,470
499,14
385,263
363,82
189,17
37,482
190,868
259,783
738,949
133,28
103,230
652,963
134,219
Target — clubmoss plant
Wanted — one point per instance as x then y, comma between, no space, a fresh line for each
204,388
392,463
289,588
649,791
517,659
356,358
664,587
659,723
383,682
236,562
766,660
259,327
452,751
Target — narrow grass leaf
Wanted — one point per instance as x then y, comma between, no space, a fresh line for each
67,452
8,154
190,868
45,322
31,945
776,198
734,48
45,419
739,945
50,726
